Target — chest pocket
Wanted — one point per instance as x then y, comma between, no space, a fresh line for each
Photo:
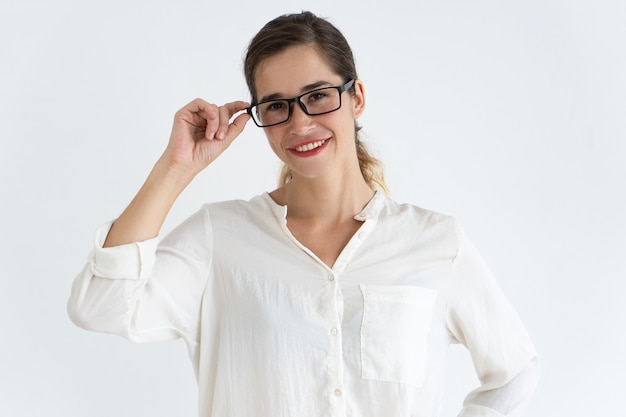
394,332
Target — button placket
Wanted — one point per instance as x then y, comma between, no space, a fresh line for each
335,351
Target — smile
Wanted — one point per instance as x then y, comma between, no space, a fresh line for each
310,146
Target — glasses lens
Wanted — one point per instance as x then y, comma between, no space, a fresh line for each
322,101
271,112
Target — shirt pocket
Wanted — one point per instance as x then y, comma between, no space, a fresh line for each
394,332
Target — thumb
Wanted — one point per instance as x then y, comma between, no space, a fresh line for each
236,126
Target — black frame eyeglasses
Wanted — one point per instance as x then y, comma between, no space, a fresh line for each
277,111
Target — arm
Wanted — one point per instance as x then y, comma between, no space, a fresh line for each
200,134
128,289
481,318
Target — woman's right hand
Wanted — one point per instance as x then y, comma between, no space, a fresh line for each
201,132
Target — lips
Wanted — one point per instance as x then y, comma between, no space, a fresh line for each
309,148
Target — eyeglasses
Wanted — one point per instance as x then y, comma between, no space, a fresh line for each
316,102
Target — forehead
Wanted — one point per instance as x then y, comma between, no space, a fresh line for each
288,72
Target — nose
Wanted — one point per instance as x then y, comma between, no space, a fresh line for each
299,122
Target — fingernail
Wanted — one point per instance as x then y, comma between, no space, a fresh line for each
221,135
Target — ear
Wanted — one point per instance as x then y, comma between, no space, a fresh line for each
358,99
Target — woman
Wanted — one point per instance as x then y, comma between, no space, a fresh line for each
323,297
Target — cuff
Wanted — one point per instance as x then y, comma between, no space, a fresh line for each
129,261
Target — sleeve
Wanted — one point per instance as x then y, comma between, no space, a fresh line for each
145,291
480,317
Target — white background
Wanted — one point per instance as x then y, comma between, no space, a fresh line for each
508,115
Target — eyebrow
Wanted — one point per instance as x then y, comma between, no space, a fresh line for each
303,90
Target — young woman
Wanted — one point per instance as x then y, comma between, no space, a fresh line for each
321,298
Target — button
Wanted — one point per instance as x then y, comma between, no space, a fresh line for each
334,331
331,277
361,235
338,392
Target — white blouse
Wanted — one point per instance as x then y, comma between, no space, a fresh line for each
272,331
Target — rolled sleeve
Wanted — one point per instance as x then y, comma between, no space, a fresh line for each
129,261
145,291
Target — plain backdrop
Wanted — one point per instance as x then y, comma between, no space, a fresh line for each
508,115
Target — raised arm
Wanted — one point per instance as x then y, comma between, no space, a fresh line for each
127,286
201,132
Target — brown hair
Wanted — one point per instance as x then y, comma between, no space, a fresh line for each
301,29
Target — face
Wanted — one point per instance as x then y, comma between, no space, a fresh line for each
312,146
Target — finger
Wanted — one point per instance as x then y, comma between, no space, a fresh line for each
199,110
224,118
237,126
230,110
200,116
213,121
236,106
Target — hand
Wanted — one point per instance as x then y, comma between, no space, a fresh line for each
201,132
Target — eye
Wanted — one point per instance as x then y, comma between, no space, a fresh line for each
275,106
318,95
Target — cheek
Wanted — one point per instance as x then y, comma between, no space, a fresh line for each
346,128
274,143
272,146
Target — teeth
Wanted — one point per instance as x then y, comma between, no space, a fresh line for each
310,146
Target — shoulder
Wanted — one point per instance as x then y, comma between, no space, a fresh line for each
224,221
242,219
236,209
220,215
418,218
421,229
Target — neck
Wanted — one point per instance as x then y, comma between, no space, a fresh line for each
324,199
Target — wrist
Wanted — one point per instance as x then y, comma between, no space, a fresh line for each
171,176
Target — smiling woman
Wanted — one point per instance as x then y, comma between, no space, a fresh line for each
322,297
